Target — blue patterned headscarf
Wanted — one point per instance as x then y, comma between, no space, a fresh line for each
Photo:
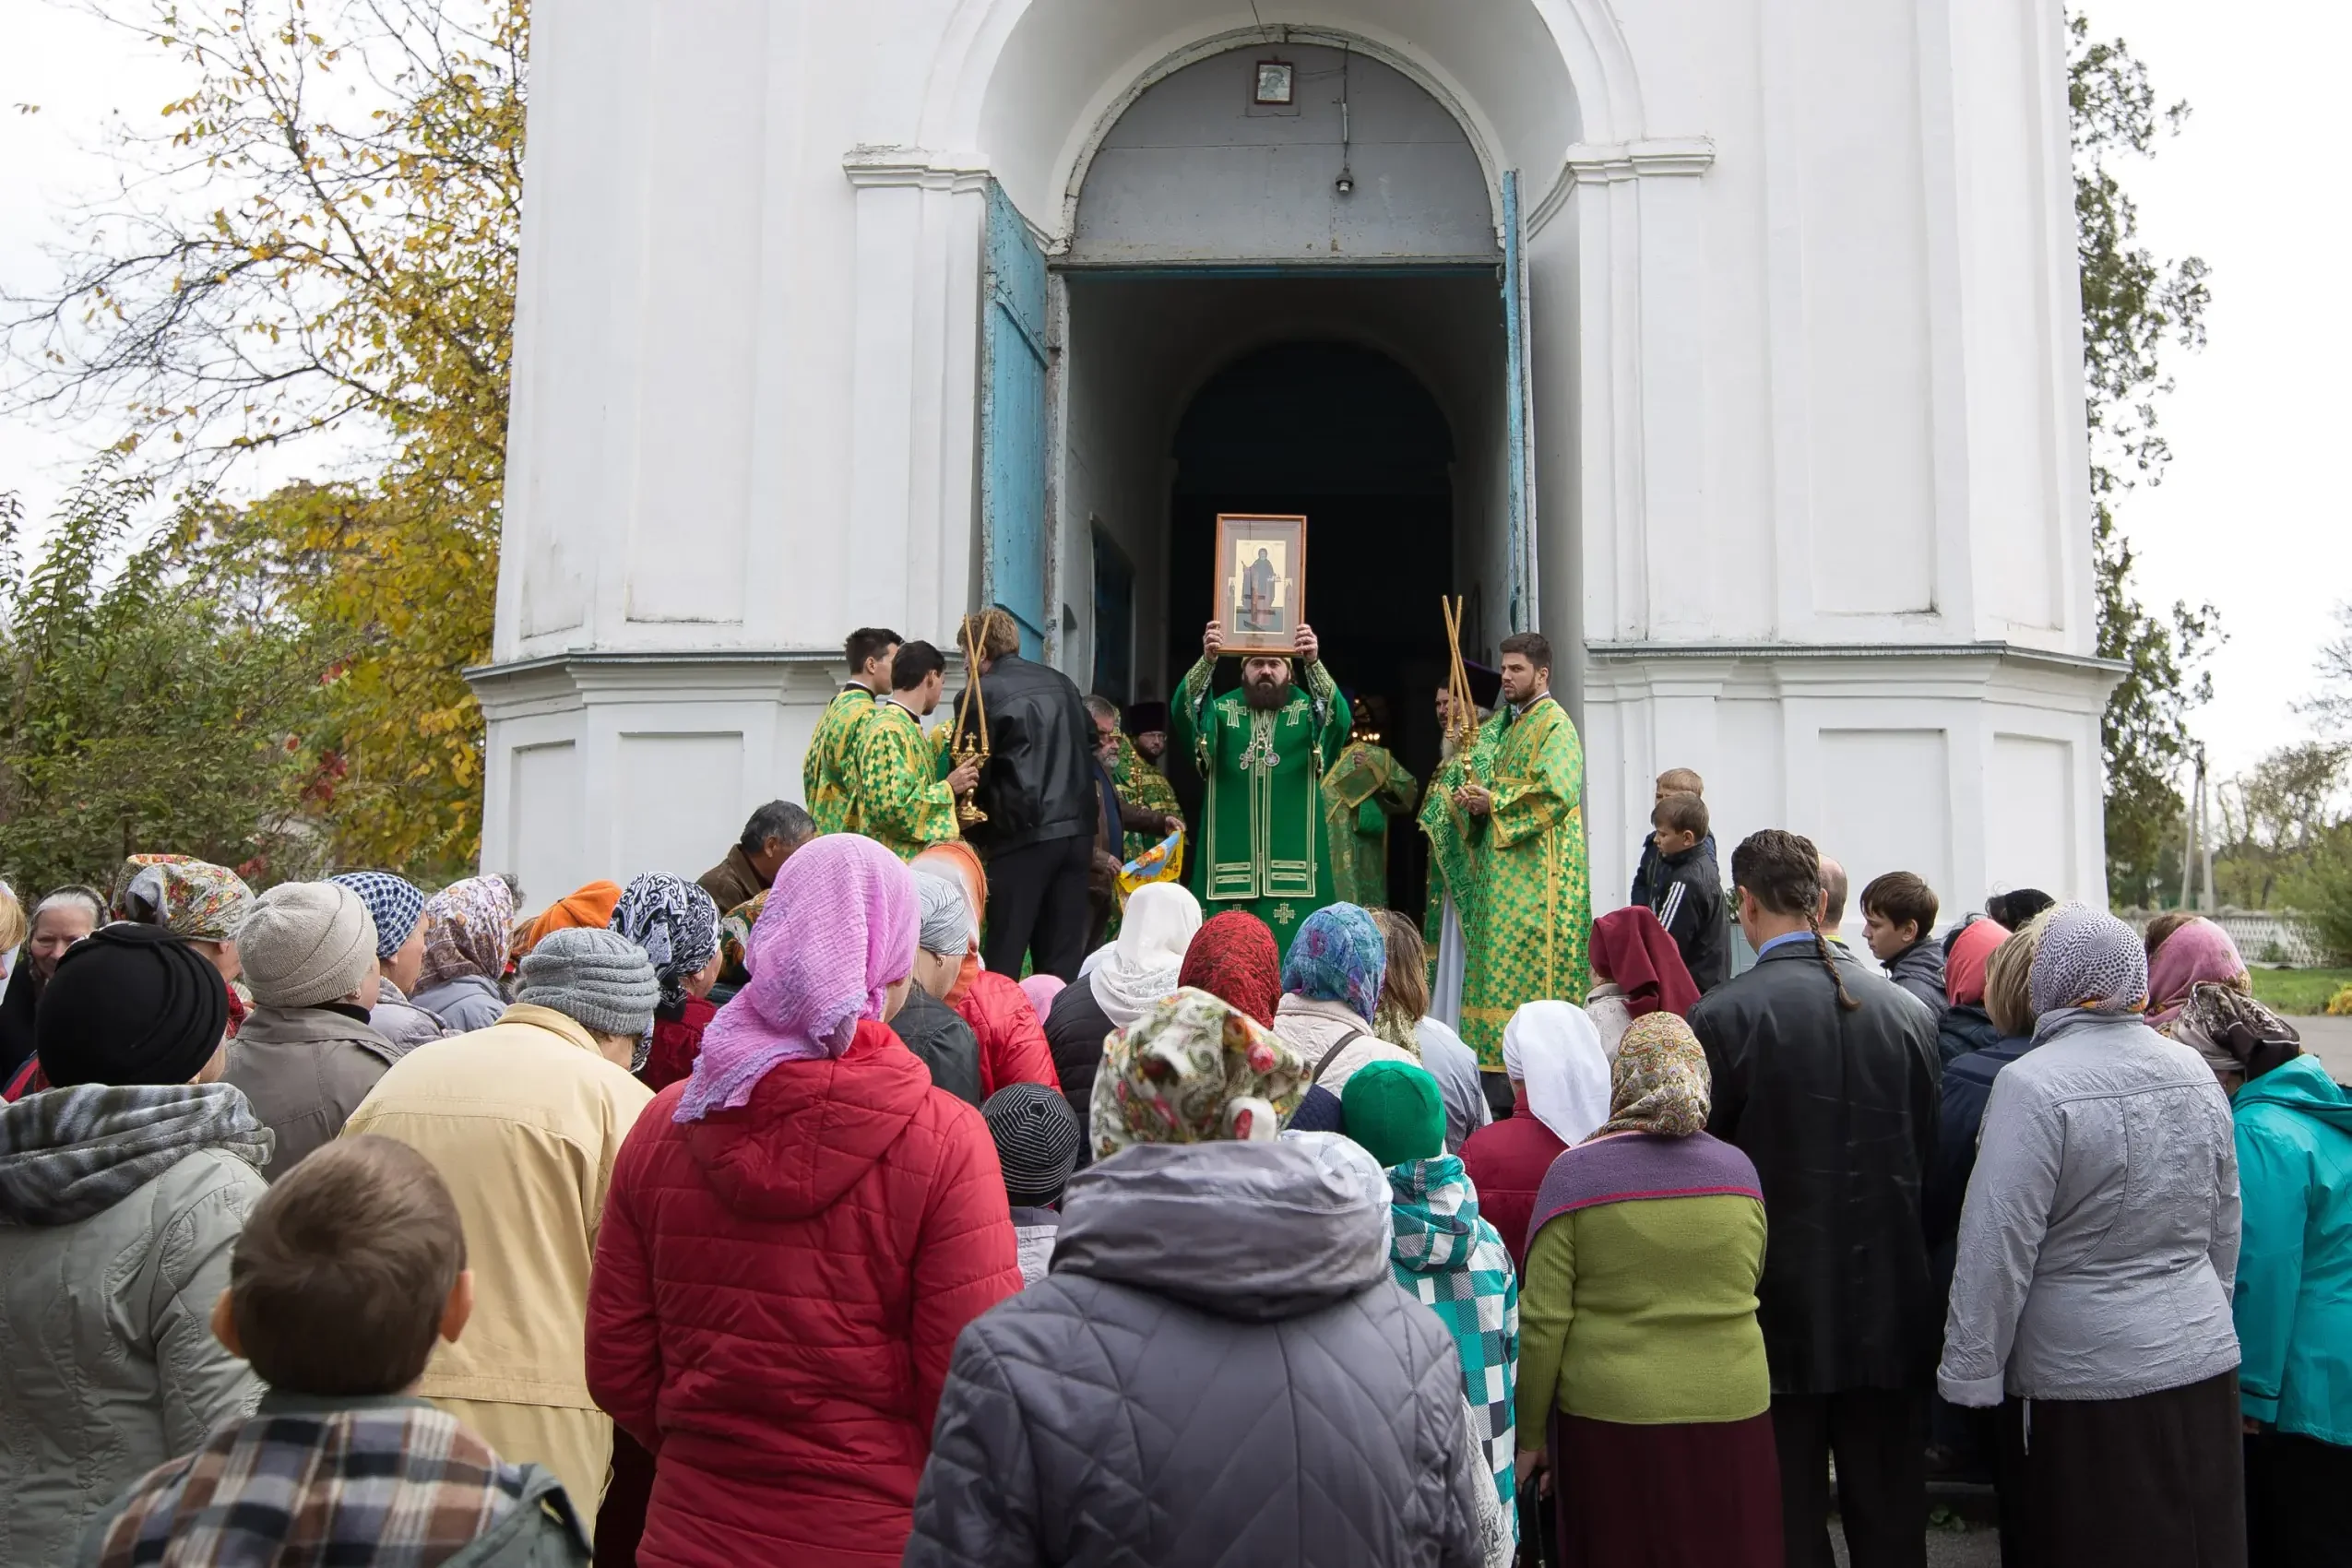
397,904
1338,955
676,924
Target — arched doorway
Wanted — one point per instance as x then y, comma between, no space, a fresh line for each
1351,438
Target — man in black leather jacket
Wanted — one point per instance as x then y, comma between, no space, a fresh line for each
1038,792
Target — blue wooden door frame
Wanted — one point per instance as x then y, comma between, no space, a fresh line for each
1013,428
1521,410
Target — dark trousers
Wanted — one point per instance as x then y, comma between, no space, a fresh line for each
1878,1436
1038,907
2298,1490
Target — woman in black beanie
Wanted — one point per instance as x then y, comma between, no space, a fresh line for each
123,1187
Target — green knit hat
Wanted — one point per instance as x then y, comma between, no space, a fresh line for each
1393,1110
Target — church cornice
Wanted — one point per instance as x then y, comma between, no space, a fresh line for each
918,168
1651,158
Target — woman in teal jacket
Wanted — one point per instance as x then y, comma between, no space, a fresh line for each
2294,1298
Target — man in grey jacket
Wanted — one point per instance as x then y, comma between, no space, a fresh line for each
306,1055
1219,1370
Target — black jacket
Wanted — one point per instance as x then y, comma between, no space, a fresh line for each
1837,1110
1686,895
1966,1091
1649,874
1074,1030
1963,1029
941,1042
1039,784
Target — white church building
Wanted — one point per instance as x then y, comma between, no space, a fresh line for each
1735,346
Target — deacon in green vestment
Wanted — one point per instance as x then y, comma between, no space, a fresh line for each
906,788
829,768
1529,921
1363,789
1263,752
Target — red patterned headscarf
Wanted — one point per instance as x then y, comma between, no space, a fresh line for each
1233,958
1631,948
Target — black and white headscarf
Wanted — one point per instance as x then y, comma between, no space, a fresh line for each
676,924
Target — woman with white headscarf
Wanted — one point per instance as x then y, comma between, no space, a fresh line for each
1560,1093
2091,1299
1120,985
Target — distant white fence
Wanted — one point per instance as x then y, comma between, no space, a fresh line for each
2263,936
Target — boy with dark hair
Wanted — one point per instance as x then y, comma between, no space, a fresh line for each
345,1276
1688,898
1650,877
1898,921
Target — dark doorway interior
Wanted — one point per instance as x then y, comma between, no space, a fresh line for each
1353,441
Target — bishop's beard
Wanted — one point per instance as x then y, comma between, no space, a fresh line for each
1265,696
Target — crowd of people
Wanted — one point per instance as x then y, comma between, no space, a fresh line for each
798,1213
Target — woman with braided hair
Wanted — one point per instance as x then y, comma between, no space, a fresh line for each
1824,1077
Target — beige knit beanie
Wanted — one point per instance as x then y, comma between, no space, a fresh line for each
305,943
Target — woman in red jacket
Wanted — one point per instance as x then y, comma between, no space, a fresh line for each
1012,1037
793,1240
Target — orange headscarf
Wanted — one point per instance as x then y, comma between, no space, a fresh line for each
590,907
957,860
1964,967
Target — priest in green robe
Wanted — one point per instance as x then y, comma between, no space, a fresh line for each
1138,778
906,788
1263,752
829,768
1364,789
1529,922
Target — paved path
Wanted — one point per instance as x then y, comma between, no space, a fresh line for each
2330,1040
1978,1546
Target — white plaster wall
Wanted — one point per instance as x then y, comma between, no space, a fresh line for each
1806,358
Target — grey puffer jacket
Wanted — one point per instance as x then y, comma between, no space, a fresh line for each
305,1069
465,1002
1219,1370
2099,1240
118,1208
404,1023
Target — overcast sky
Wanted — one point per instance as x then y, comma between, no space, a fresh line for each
2252,515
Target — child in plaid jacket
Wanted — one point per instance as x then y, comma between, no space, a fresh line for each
345,1275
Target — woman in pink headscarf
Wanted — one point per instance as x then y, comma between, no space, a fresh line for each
794,1237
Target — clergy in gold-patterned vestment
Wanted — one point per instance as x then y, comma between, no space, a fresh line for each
1262,752
1529,924
905,793
829,768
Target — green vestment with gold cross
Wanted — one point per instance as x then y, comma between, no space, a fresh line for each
903,800
1527,930
1140,783
1262,844
829,768
1363,789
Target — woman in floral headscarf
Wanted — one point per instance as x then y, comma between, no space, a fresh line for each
468,926
202,903
1657,1409
675,925
1332,981
790,1423
2091,1295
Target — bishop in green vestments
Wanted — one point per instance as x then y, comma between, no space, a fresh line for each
1263,752
1529,924
1365,787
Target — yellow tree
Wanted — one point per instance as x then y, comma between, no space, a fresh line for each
321,244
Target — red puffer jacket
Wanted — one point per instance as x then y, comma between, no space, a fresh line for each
777,1289
1012,1041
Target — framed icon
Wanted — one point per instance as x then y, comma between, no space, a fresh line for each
1275,82
1260,591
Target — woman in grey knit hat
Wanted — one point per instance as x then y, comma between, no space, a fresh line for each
524,1120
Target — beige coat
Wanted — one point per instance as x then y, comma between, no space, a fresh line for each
524,1120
